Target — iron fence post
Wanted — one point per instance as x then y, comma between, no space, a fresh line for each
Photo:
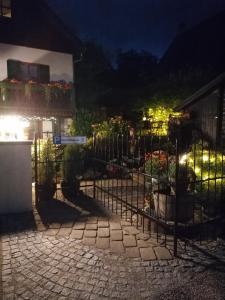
35,168
176,199
94,162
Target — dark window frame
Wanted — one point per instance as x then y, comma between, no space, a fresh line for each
25,71
4,6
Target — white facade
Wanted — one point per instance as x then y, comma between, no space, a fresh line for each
61,64
16,177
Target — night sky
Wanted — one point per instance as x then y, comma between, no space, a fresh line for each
138,24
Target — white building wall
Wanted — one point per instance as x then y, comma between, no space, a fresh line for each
61,64
16,177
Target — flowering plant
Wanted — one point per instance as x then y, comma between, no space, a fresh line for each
161,166
156,163
61,84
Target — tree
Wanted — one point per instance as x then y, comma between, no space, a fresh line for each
93,76
135,68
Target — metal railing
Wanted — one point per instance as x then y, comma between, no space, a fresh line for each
159,188
28,96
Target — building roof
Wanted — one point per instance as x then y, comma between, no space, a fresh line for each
34,24
202,92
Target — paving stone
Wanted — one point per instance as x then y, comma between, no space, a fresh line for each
116,235
142,236
117,247
67,224
103,223
133,252
162,253
79,225
54,225
90,233
102,243
147,253
51,232
129,241
114,225
131,230
103,232
142,244
92,220
91,226
89,241
64,232
77,234
41,227
125,223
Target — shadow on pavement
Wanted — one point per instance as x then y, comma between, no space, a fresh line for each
13,223
57,211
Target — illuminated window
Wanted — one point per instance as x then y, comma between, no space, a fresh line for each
5,8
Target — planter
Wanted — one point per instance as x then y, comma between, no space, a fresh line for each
212,206
46,191
70,189
165,207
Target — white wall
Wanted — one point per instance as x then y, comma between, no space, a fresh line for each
16,177
61,64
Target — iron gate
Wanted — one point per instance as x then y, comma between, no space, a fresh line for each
51,163
175,192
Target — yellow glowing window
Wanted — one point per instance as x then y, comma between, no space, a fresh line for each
5,8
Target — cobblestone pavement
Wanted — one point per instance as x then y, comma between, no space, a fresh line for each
45,257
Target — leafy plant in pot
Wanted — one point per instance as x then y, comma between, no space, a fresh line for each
166,191
73,158
46,171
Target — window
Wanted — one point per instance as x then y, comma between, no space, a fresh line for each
5,8
24,71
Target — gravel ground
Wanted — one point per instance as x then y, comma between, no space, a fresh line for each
208,286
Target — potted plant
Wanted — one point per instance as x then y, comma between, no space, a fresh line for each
46,172
162,169
156,169
73,158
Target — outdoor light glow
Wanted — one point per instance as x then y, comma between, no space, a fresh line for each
183,159
205,157
197,170
12,128
159,117
144,118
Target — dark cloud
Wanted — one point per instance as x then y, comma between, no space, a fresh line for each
138,24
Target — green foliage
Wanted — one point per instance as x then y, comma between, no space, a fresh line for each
82,123
208,166
114,125
46,167
73,162
93,76
158,117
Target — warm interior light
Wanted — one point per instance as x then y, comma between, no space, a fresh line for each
12,128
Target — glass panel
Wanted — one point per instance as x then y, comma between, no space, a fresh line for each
33,72
6,12
5,8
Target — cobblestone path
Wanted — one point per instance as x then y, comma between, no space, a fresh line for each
48,255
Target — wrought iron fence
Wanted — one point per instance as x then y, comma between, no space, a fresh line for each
162,187
50,165
173,192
